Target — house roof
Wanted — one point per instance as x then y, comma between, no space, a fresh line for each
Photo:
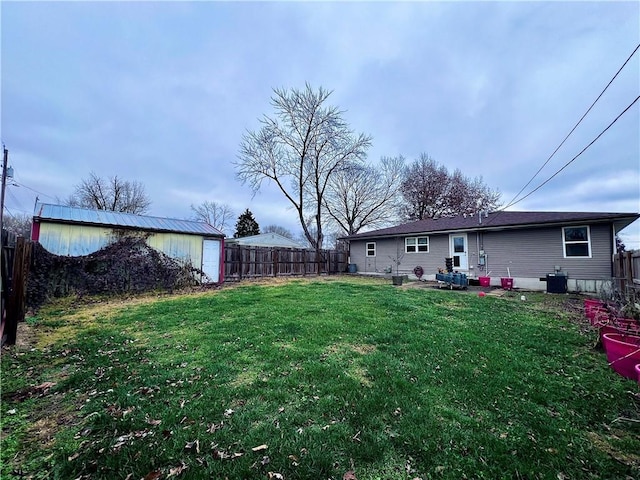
83,216
270,239
502,220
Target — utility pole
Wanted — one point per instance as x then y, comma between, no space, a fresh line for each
5,160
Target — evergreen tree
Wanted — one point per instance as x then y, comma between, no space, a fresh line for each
246,225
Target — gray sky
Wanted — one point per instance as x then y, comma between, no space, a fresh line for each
162,92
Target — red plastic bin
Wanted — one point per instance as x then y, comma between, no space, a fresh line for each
507,283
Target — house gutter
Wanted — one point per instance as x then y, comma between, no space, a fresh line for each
487,229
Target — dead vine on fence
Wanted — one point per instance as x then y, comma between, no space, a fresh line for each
128,265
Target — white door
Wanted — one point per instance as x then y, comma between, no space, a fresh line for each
459,252
211,260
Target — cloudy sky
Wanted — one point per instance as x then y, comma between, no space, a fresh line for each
161,92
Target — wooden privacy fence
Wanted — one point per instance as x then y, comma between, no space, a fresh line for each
242,262
626,270
16,261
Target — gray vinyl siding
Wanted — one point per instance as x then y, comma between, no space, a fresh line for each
527,253
387,249
533,253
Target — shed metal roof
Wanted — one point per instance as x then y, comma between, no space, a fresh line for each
83,216
502,220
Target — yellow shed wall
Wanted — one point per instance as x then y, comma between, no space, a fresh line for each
80,240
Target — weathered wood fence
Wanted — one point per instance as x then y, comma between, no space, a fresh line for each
16,261
245,262
626,270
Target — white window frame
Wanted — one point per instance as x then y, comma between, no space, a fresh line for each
416,244
367,249
566,242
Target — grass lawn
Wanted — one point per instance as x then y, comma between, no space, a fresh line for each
313,379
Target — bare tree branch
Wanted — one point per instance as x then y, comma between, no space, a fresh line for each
365,196
300,148
113,194
218,215
430,191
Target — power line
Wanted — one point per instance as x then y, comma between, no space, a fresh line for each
33,190
574,158
514,201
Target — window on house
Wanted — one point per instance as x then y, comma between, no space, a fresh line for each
371,249
577,241
416,244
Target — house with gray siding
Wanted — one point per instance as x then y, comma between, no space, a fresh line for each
526,246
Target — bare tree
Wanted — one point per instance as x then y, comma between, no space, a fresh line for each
300,148
19,224
279,230
365,196
218,215
110,194
430,191
423,189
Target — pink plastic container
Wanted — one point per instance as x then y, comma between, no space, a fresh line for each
623,353
638,373
484,281
507,283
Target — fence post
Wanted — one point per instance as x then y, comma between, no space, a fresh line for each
16,304
275,261
304,263
628,269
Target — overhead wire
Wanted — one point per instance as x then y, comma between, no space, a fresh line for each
34,190
581,152
515,198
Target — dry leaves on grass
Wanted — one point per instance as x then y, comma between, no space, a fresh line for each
124,439
215,426
175,471
193,446
221,454
151,421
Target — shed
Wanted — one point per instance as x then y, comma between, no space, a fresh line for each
72,231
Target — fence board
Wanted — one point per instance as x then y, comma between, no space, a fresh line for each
17,296
246,262
626,270
16,260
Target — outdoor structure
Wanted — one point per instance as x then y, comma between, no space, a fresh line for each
71,231
529,247
271,239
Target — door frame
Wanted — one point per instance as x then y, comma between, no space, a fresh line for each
218,276
464,257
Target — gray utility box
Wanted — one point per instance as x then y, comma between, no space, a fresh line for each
556,283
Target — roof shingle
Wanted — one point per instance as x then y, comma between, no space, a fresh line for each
498,221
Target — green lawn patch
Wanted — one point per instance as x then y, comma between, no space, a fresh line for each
309,379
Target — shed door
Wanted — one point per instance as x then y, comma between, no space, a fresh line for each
458,250
211,260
